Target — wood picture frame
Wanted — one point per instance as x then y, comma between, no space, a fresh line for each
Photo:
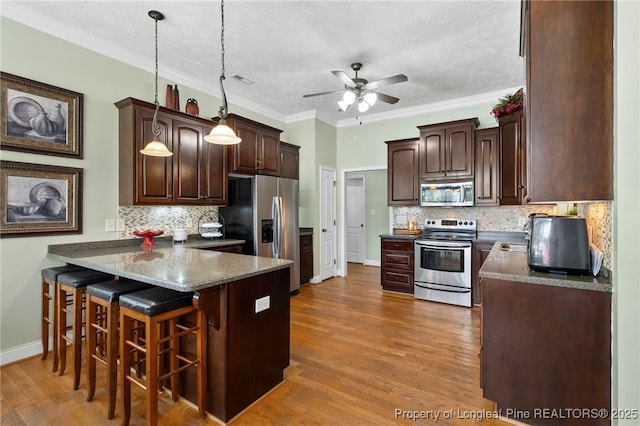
40,118
38,199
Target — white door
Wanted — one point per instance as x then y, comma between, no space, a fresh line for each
327,222
355,216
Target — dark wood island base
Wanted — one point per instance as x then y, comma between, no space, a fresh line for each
248,350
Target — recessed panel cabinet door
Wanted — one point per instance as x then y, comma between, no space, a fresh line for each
402,172
433,148
214,174
154,177
246,152
269,159
459,151
187,139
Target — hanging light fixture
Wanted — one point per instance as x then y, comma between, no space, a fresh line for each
222,134
155,148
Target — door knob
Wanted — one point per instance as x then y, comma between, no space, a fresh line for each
324,229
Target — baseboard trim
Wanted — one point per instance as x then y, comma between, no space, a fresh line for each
21,352
368,262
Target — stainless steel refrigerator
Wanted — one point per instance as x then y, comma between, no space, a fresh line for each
263,211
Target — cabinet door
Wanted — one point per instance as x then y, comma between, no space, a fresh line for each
214,174
433,154
402,172
512,161
289,161
486,168
481,250
306,258
569,100
153,175
187,156
459,151
245,154
268,160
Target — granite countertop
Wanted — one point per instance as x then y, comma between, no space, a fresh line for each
400,236
503,236
513,266
180,266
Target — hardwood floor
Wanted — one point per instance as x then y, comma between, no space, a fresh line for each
359,356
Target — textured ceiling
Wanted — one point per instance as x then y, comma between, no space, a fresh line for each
447,49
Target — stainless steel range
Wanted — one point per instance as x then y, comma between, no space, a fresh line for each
443,261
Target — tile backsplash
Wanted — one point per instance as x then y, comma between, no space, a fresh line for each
167,218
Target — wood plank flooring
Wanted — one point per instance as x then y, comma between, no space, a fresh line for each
359,356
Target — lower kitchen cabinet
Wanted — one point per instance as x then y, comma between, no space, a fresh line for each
234,248
546,348
306,258
481,249
397,257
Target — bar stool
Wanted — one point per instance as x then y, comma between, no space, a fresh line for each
160,309
74,284
49,308
102,332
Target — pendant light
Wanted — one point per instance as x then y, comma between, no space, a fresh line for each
155,148
222,134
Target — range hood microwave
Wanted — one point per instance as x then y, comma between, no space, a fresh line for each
446,194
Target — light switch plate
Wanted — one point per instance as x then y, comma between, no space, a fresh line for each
120,225
110,225
263,304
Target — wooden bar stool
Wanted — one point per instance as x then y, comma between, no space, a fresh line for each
160,309
74,284
49,308
102,332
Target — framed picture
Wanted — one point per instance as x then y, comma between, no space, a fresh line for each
38,199
40,118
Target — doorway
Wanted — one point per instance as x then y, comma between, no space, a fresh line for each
327,222
355,219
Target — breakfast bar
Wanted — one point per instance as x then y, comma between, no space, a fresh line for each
245,298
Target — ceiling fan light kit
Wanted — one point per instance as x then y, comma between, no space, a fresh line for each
361,90
222,134
155,148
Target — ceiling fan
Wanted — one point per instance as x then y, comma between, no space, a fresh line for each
362,91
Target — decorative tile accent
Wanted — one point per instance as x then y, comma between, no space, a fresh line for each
600,224
503,218
167,218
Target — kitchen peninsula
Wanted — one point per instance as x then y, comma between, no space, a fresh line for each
248,347
545,341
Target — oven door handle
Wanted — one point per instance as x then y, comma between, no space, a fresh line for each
443,244
464,290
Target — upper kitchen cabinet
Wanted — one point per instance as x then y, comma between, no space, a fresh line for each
513,159
289,161
259,151
403,159
486,168
195,174
447,150
568,49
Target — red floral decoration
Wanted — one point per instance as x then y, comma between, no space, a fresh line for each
507,105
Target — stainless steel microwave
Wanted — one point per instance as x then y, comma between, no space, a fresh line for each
446,194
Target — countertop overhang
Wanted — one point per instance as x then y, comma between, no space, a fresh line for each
514,266
181,266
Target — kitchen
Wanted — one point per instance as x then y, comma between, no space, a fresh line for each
346,147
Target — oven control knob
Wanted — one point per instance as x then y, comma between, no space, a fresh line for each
466,223
471,223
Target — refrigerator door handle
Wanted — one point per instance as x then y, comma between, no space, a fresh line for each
276,211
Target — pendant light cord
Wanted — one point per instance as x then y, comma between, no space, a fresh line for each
224,108
154,124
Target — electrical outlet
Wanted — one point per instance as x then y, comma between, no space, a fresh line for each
120,225
110,225
373,212
263,304
189,222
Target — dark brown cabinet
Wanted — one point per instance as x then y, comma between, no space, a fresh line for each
568,49
233,248
481,250
513,162
546,347
195,174
396,258
306,258
259,151
486,168
447,150
289,161
403,187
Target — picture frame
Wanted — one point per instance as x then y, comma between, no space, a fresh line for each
39,199
40,118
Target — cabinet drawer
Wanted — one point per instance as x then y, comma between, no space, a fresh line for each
397,278
400,245
306,240
397,259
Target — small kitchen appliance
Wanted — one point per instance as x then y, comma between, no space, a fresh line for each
559,244
442,264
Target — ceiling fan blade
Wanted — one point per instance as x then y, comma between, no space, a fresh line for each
322,93
386,81
386,98
344,78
